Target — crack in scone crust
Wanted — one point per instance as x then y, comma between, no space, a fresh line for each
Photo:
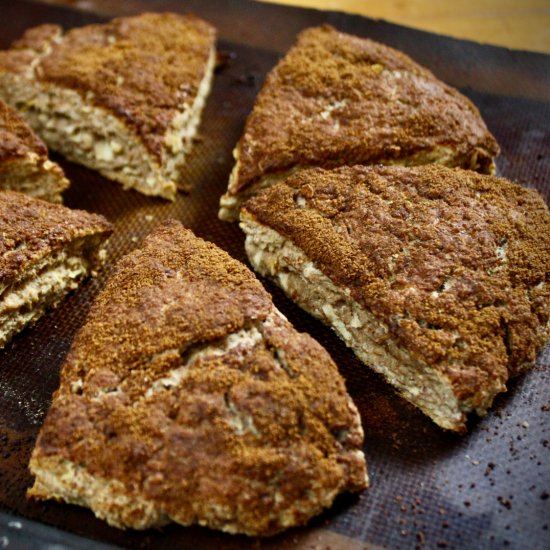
337,99
191,393
453,264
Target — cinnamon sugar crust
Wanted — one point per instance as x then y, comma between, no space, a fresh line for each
16,137
24,164
337,99
451,266
45,251
188,397
123,98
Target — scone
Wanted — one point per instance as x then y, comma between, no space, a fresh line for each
187,397
124,98
45,251
24,163
437,278
336,99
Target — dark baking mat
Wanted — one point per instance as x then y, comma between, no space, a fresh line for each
487,489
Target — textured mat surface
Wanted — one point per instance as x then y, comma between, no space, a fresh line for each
488,489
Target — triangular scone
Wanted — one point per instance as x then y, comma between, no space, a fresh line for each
336,99
124,98
437,278
188,397
45,250
24,163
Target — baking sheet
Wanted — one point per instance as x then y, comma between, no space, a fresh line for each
429,488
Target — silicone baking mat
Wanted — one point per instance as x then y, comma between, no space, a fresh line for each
429,489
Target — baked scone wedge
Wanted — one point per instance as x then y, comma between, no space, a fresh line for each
24,163
437,278
45,251
187,397
337,99
124,98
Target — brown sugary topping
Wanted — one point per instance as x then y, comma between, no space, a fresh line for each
16,137
338,99
454,263
31,229
238,427
174,292
35,43
143,69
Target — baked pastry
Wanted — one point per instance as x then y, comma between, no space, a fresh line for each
336,99
124,98
24,163
437,278
188,397
45,251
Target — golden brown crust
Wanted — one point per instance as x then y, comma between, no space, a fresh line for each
24,163
235,437
35,43
338,99
455,264
17,139
32,229
142,69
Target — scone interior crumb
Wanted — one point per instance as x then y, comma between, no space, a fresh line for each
43,285
38,178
